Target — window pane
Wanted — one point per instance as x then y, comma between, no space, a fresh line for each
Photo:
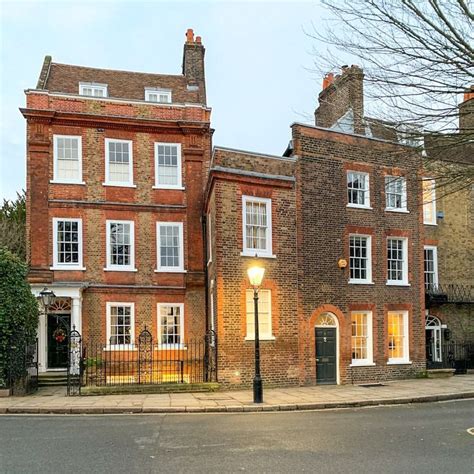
395,259
120,325
264,314
358,261
358,188
119,162
396,336
167,162
67,235
170,245
67,159
120,244
359,336
256,225
170,324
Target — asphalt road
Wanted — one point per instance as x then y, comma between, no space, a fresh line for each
400,439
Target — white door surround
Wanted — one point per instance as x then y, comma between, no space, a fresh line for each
61,291
329,319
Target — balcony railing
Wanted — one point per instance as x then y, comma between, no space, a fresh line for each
451,293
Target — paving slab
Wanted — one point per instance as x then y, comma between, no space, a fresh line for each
48,400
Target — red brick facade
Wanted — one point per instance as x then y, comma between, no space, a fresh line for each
125,117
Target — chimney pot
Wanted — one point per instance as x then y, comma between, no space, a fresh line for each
190,35
198,39
344,68
469,94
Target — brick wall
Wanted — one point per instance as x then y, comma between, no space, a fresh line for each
325,224
94,203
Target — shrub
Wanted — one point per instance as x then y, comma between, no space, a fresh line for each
18,315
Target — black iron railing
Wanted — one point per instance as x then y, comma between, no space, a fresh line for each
454,355
451,293
149,363
22,378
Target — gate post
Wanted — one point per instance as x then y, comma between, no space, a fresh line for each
74,364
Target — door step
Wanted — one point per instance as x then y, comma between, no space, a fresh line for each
50,379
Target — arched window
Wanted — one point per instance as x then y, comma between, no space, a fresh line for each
326,319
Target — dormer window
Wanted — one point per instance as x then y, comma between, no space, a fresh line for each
158,95
92,89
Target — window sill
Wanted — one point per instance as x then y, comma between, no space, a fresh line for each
396,283
170,270
262,338
401,211
132,348
163,186
108,269
77,269
256,254
362,364
358,206
360,282
399,362
167,347
430,223
120,185
55,181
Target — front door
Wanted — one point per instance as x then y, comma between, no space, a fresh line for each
326,356
58,330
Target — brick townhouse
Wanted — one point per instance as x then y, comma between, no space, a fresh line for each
449,243
117,164
337,223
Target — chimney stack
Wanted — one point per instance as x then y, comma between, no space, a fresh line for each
193,64
466,112
342,93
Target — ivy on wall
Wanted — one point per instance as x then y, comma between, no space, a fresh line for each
18,315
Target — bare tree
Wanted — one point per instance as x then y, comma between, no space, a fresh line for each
418,61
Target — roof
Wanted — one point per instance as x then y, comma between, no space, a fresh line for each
65,78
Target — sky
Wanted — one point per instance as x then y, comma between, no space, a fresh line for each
259,61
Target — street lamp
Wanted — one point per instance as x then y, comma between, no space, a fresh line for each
255,275
47,297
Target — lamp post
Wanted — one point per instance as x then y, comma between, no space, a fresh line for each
255,275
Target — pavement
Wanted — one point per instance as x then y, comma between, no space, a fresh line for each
54,400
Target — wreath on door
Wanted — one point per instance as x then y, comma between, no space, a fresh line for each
59,335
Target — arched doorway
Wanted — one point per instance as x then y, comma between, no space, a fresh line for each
433,340
327,349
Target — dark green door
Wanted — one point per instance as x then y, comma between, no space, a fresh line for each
58,330
326,356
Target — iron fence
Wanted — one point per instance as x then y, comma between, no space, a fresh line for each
454,355
22,377
451,293
149,363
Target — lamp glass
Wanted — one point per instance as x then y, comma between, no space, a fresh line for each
255,275
47,296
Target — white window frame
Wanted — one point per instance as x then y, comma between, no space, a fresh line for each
179,184
209,239
65,266
120,268
249,252
123,184
368,279
160,268
56,179
181,345
95,87
120,347
429,204
434,249
404,281
369,360
157,91
366,190
262,336
403,208
406,339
